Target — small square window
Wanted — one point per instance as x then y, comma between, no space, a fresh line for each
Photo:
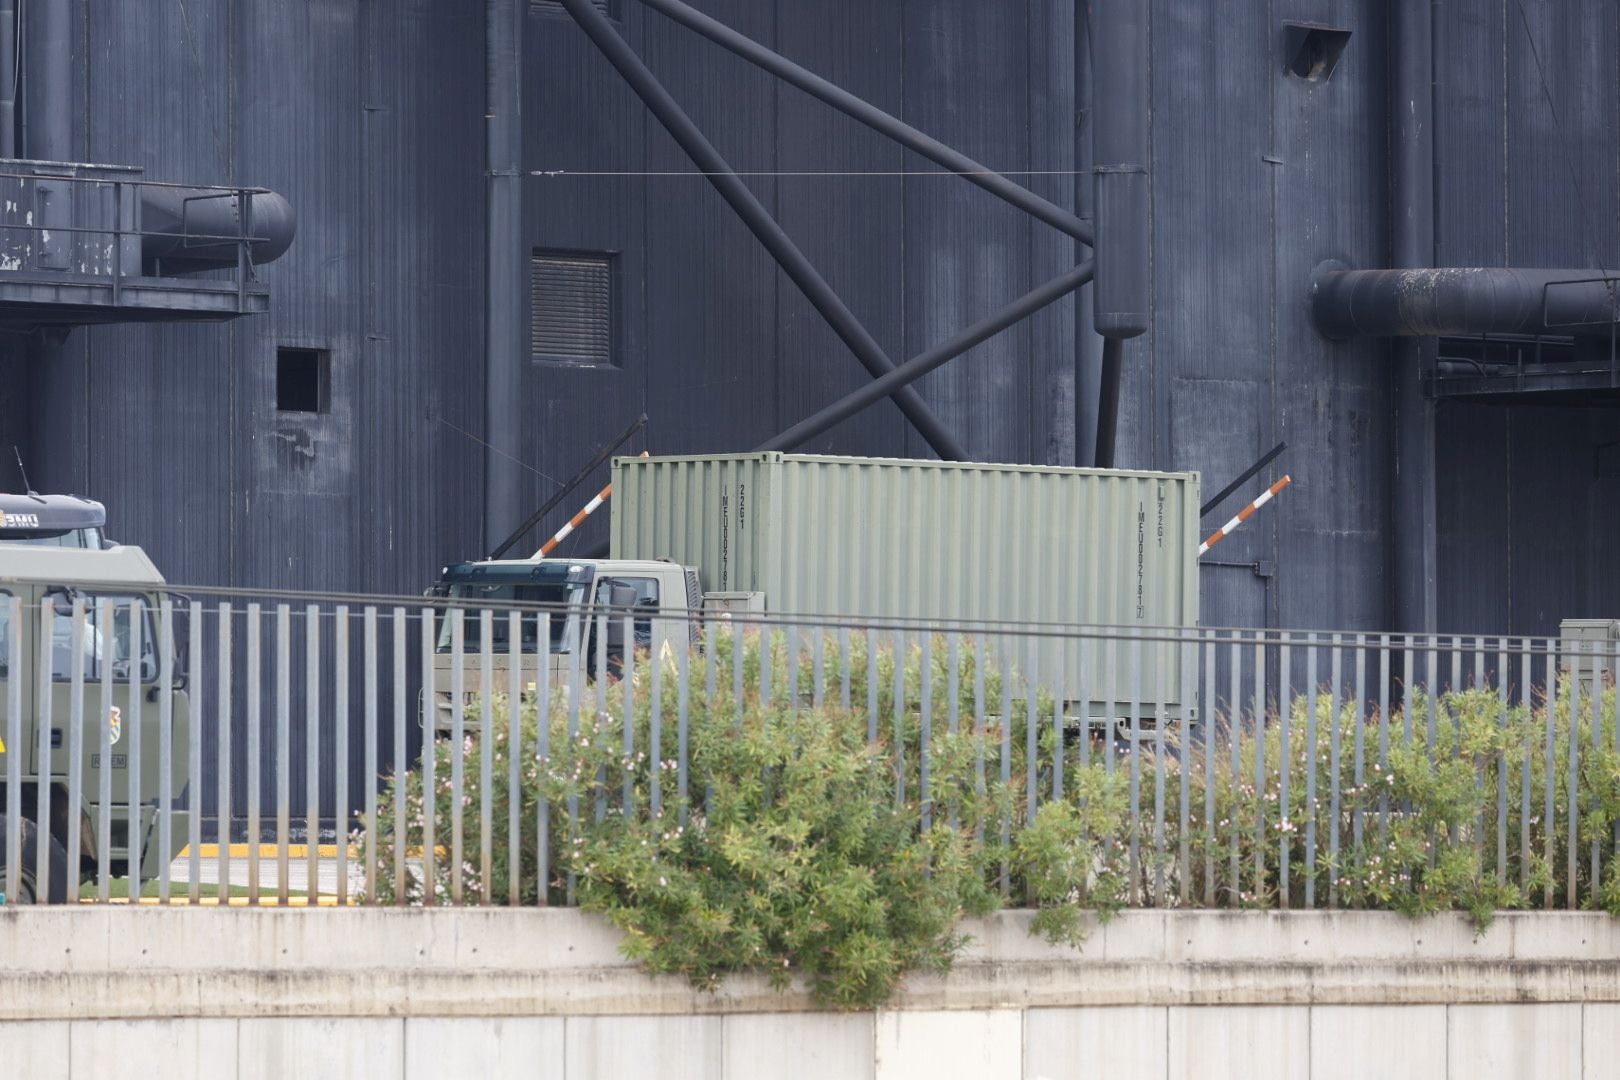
572,307
303,380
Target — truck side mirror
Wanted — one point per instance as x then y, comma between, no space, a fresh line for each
621,598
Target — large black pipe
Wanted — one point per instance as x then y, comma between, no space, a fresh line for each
1087,344
1435,302
184,230
600,30
504,270
873,117
916,368
1119,51
1108,402
1413,530
8,78
48,81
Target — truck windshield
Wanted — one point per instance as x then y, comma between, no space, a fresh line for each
486,591
69,538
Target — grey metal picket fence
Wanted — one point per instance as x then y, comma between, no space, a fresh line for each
218,747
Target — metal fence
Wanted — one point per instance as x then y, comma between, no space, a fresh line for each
249,743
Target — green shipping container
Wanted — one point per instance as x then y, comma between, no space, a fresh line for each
947,541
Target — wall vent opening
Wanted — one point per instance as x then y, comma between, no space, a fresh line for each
571,307
303,380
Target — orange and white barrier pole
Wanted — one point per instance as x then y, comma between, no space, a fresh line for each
577,520
1245,514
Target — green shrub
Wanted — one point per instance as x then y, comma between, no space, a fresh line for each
802,848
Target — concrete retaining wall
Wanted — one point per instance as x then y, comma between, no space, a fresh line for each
493,994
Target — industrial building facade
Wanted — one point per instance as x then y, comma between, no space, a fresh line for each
340,440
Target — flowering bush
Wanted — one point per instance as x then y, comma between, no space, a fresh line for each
797,845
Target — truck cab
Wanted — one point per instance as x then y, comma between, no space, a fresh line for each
581,604
107,660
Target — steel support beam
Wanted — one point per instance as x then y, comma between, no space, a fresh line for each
916,368
504,352
873,117
1413,527
692,141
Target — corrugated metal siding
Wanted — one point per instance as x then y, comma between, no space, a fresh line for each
907,539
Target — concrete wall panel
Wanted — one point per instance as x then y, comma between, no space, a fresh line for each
181,1049
38,1049
666,1046
1352,1042
1127,1043
503,1049
807,1048
1527,1042
336,1048
983,1045
1256,1043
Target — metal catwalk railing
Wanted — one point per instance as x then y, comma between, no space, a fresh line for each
268,749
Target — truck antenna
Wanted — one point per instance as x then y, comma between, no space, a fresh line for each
16,450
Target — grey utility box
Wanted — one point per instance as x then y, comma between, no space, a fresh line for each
945,541
1589,645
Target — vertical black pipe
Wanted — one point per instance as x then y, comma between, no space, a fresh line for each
8,78
48,81
1119,37
1087,345
504,277
1413,531
758,220
1108,403
1119,73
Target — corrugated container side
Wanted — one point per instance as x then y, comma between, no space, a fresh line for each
945,541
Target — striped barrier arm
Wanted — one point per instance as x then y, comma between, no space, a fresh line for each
577,520
1245,514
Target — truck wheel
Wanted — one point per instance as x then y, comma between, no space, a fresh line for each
27,882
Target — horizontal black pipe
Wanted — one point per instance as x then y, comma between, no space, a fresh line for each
573,482
640,78
1113,355
190,229
916,368
1434,302
1248,474
873,117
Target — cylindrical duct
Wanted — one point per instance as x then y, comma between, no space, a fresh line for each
1119,51
1461,302
192,229
48,81
504,277
8,78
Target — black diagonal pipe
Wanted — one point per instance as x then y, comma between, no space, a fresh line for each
573,482
1108,402
916,368
600,30
873,117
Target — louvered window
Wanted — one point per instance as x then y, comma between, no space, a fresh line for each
610,8
571,307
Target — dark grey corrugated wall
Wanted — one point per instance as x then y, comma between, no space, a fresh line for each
368,116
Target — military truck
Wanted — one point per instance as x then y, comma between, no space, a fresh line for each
55,559
841,537
586,603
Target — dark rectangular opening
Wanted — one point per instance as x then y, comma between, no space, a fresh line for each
303,380
572,307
